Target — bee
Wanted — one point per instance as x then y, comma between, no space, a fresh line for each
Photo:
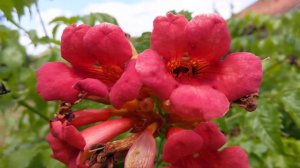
3,89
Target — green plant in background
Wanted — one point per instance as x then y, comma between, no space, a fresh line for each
270,135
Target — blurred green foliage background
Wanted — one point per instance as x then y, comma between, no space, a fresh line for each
270,135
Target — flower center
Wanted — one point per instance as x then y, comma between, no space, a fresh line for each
107,74
185,67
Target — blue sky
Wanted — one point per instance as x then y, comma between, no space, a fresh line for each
134,16
76,4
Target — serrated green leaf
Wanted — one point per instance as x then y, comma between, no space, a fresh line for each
291,102
265,123
19,6
65,20
103,17
7,8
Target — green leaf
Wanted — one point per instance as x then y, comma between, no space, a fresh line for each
54,30
7,7
103,17
141,43
185,13
90,19
265,123
291,102
19,5
65,20
20,157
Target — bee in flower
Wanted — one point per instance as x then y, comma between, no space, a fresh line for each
187,65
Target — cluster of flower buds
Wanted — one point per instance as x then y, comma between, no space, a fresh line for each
170,94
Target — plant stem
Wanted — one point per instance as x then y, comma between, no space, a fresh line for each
42,22
159,152
35,111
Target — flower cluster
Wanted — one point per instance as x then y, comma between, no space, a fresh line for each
173,91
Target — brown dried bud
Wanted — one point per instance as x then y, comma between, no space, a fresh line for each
105,156
248,102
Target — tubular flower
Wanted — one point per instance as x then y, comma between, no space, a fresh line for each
169,91
201,149
69,145
186,66
98,57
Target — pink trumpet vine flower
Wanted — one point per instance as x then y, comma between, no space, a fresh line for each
199,148
69,145
99,58
186,65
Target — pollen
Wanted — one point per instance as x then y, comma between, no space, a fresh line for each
186,67
108,74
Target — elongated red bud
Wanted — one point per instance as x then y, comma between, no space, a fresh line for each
105,131
84,117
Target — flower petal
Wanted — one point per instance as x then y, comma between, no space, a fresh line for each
142,152
208,37
55,81
105,131
213,138
233,157
61,150
93,87
73,137
193,162
127,87
56,128
168,37
72,48
87,116
67,133
240,75
199,102
154,74
181,144
108,43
